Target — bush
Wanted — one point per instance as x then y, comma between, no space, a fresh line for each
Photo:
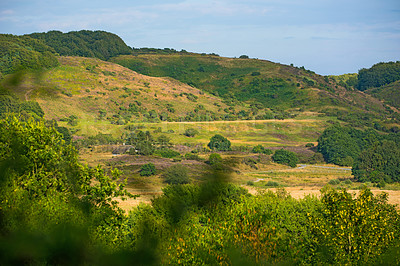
148,169
176,174
168,153
272,184
219,143
260,149
214,159
285,157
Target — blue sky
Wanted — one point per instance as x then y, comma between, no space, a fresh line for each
326,36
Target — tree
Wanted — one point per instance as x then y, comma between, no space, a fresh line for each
219,143
148,169
285,157
176,174
379,163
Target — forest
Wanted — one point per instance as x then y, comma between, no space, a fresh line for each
112,155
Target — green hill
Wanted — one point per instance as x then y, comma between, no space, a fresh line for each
85,43
261,82
24,53
390,93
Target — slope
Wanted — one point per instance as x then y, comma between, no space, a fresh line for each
261,82
95,95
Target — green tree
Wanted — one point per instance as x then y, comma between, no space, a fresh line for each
379,163
148,169
219,143
285,157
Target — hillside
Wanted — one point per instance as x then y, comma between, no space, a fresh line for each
185,86
261,82
24,52
390,93
100,94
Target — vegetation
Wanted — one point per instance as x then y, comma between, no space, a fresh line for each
148,169
219,143
24,53
176,174
285,157
378,75
85,43
157,134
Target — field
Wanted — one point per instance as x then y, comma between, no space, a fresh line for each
261,174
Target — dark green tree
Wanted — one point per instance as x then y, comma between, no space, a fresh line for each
219,143
148,169
285,157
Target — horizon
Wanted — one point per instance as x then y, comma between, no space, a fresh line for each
323,37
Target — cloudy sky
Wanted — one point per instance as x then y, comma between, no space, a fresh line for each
326,36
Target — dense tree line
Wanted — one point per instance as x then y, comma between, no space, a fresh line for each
85,43
374,156
24,53
378,75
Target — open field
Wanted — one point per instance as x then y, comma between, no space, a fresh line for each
299,182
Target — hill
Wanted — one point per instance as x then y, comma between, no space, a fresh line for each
85,43
260,82
389,93
99,94
24,53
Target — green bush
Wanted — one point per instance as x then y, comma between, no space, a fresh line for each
285,157
214,159
219,143
176,174
148,169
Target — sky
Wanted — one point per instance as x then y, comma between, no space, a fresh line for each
329,37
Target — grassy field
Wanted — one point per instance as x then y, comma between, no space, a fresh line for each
264,175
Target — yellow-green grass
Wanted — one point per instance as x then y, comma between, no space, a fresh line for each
272,133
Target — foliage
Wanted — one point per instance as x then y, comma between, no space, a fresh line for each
378,75
148,169
50,203
378,163
176,174
341,145
260,149
168,153
285,157
19,53
85,43
347,230
219,143
215,159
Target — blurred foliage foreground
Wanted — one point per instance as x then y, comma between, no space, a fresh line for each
56,211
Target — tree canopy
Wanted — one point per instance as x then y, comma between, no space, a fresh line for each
85,43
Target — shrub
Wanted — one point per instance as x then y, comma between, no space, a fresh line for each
176,174
148,169
285,157
272,184
168,153
260,149
214,159
219,143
